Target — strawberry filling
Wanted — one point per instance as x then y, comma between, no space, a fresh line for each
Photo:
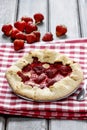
35,74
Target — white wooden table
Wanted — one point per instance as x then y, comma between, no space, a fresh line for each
72,13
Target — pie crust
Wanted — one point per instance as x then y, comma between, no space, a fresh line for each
58,90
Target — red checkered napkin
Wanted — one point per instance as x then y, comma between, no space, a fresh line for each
67,108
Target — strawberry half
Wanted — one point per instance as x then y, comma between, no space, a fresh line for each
20,25
6,29
61,30
18,44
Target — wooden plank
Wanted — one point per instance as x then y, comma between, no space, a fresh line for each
29,8
2,123
68,125
7,15
64,12
26,124
83,16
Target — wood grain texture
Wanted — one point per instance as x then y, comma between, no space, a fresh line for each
68,125
2,123
29,8
83,16
26,124
64,12
7,15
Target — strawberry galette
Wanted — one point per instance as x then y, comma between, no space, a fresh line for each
44,75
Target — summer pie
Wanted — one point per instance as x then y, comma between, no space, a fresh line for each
44,75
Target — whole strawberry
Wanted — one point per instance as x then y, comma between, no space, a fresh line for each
61,30
20,25
37,34
27,19
21,36
14,32
6,29
18,44
31,38
47,37
38,17
30,27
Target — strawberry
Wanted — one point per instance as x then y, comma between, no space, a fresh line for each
61,30
38,17
14,32
51,73
31,38
23,77
18,44
40,78
38,69
30,27
20,25
65,70
37,33
21,36
50,82
7,28
47,37
27,19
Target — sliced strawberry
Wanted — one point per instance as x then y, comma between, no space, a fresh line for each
18,44
31,38
38,69
27,19
37,33
61,30
50,82
40,79
30,27
20,25
6,29
51,72
35,60
47,37
65,70
23,77
14,32
21,36
38,17
26,68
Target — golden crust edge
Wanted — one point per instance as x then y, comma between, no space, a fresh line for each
36,90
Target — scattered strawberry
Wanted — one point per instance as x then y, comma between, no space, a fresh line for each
14,32
37,33
20,25
27,19
18,44
21,36
31,38
30,27
38,17
7,28
47,37
60,30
